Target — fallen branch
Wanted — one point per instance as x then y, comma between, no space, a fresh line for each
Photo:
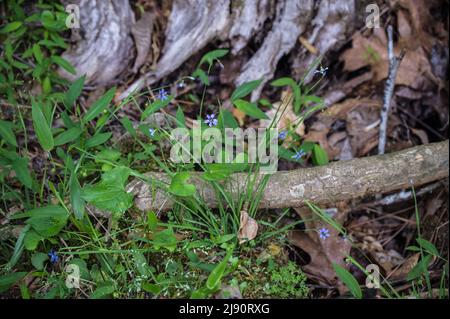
337,181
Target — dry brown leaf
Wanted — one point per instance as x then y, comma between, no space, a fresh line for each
248,228
239,115
308,45
401,272
323,252
372,52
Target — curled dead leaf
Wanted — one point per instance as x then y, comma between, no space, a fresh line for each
248,228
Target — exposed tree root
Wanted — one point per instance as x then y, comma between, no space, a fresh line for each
337,181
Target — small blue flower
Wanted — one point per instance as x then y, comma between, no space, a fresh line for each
54,258
162,95
324,233
151,131
298,155
282,135
322,71
211,120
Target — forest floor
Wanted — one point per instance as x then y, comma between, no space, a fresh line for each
72,227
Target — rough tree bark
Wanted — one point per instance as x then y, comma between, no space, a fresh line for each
104,49
337,181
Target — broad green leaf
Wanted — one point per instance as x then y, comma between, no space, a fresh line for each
47,221
8,280
38,259
348,279
166,239
227,120
109,194
181,121
320,157
245,89
98,139
32,240
199,73
74,92
250,109
213,55
155,107
20,166
179,185
151,288
18,247
429,247
10,27
103,290
216,275
152,221
7,133
41,127
64,64
75,197
37,53
420,268
68,136
100,105
128,125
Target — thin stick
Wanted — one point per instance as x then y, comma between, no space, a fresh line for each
394,63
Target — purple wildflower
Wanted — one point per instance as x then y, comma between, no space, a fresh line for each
324,233
282,135
151,131
54,258
322,71
211,120
298,155
162,95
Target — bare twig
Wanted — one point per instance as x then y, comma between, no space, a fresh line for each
394,63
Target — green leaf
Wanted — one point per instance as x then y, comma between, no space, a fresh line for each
245,89
152,221
216,275
38,259
128,125
75,197
166,239
98,139
7,281
103,290
18,247
68,136
151,288
100,105
10,27
37,53
7,133
41,127
179,185
213,55
64,64
155,107
429,247
109,194
227,120
420,268
348,279
199,73
74,92
32,240
181,121
46,221
320,157
250,109
20,166
295,90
